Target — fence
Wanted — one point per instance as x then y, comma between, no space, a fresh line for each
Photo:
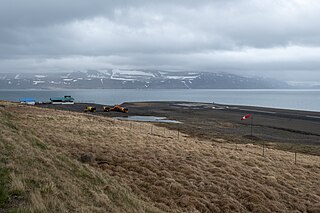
164,132
142,127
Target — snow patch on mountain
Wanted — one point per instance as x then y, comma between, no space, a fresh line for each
185,84
40,76
132,73
38,82
68,79
181,77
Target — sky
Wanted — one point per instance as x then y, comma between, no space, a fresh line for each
269,38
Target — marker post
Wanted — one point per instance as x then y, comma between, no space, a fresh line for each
247,116
251,124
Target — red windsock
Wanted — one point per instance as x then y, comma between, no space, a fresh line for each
245,117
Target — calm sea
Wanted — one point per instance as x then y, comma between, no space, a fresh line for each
287,99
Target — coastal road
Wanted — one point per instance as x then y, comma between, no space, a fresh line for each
304,115
304,122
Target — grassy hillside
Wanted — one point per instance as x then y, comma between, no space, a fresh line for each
39,174
57,161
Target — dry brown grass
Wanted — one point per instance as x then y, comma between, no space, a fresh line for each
136,171
39,176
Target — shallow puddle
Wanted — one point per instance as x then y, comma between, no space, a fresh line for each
147,119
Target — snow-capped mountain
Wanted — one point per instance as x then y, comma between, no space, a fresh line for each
135,79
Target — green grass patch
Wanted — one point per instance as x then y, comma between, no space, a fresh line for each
77,170
36,142
6,147
11,125
4,182
13,211
6,119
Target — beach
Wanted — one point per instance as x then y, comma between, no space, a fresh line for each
290,130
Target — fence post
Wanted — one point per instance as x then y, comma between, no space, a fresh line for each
151,129
178,134
164,131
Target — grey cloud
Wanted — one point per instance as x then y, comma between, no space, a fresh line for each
256,37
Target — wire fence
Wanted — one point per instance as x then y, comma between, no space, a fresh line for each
260,150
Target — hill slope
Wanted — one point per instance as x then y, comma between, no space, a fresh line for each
38,174
131,170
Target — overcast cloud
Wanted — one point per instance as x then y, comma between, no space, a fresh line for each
278,39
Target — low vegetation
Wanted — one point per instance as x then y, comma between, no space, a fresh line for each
57,161
37,176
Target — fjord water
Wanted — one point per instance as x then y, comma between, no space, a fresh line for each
287,99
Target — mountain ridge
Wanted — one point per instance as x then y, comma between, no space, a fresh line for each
136,79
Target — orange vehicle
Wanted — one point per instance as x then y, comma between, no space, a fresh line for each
115,108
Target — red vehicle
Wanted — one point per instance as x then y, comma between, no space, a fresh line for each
115,108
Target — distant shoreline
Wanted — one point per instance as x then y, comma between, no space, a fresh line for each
303,100
253,108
